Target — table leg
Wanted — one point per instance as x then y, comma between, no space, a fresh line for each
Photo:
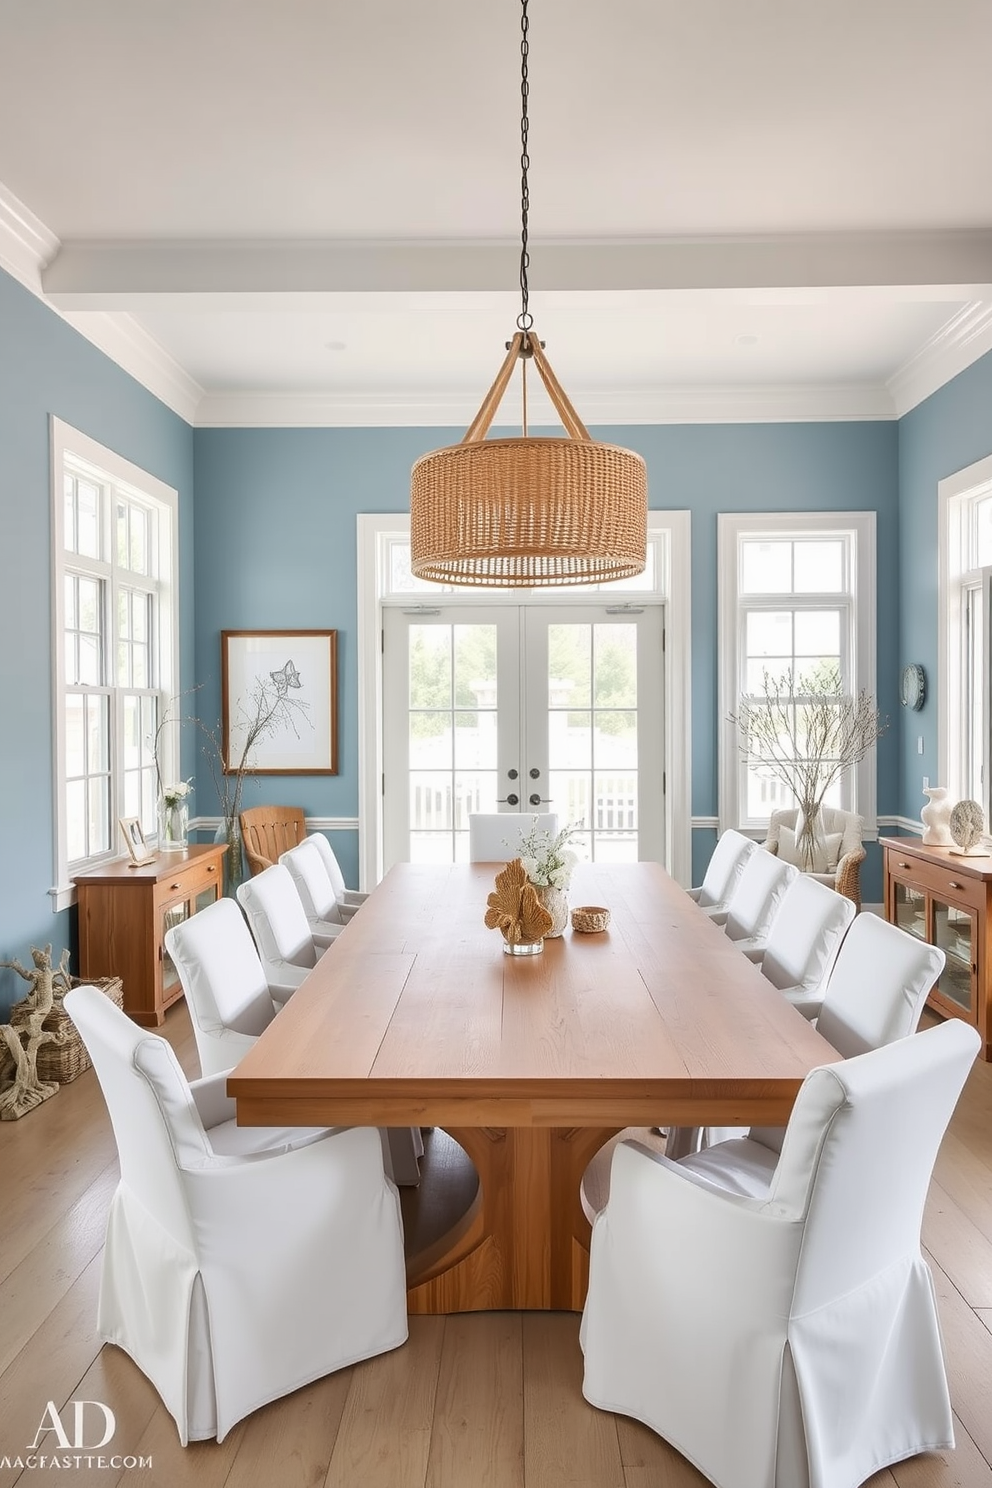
525,1241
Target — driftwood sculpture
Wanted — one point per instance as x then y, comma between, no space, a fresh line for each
27,1089
515,908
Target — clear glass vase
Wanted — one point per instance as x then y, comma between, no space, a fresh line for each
811,842
229,831
173,826
555,902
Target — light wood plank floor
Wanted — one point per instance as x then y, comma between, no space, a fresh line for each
478,1401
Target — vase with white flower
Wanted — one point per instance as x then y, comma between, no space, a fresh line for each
548,862
173,816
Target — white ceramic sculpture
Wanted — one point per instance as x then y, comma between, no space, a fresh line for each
936,817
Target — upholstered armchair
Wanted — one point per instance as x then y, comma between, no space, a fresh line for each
844,850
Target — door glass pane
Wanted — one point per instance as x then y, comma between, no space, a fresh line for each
569,666
430,666
615,672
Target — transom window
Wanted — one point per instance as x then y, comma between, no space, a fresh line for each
114,561
796,620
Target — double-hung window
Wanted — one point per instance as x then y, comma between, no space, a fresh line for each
796,614
115,647
965,543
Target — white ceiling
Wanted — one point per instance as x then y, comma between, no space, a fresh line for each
308,212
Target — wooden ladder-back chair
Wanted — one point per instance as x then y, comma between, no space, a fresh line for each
269,831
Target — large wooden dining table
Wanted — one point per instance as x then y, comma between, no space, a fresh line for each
416,1017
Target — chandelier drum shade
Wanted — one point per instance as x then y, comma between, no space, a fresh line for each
529,510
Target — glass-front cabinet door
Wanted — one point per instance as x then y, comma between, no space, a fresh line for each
910,906
955,931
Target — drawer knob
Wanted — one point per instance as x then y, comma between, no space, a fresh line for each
903,865
211,867
953,885
175,886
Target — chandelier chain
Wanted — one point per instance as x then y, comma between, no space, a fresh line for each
524,320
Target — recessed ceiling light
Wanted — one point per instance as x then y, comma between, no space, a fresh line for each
336,345
747,338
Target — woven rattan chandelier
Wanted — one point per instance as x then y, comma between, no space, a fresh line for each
527,511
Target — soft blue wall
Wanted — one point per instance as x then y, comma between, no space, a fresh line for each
949,430
280,507
48,368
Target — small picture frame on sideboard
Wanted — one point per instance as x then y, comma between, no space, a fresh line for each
134,841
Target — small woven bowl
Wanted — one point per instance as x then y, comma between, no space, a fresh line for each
589,918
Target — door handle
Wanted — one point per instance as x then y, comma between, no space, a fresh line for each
508,801
537,800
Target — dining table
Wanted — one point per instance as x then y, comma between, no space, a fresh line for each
415,1016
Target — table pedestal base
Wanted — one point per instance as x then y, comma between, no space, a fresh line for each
524,1242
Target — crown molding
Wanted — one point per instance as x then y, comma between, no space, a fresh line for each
128,344
26,245
962,340
73,282
663,405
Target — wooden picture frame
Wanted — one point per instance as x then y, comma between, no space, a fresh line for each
279,702
134,840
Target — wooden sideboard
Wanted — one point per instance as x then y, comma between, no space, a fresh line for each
124,912
946,899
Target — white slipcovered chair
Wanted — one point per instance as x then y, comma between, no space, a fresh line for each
777,1322
230,1004
313,885
723,871
756,899
494,837
287,946
875,993
229,1000
240,1262
348,901
804,938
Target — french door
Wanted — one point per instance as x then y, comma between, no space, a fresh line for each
523,708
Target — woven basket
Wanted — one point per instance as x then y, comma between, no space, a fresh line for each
63,1062
590,918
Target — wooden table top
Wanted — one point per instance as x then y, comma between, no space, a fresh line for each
416,1016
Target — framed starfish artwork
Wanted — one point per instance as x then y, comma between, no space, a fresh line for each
279,702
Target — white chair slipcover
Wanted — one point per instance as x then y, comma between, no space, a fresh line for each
804,938
349,901
313,884
755,901
228,998
493,837
230,1004
874,994
240,1262
723,871
777,1324
287,947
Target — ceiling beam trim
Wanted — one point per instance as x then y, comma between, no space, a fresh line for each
86,275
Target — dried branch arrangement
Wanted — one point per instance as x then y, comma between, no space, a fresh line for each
807,732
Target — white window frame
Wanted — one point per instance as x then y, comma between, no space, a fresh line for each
957,496
71,449
732,529
670,531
